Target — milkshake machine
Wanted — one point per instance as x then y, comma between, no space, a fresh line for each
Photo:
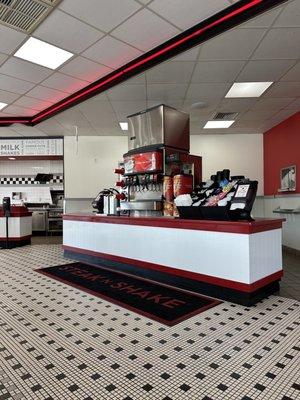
158,166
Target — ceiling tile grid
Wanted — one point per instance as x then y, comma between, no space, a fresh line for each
109,33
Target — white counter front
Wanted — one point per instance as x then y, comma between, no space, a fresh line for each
240,258
19,227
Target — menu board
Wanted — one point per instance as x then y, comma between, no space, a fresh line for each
31,147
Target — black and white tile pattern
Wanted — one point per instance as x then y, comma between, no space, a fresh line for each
57,342
27,180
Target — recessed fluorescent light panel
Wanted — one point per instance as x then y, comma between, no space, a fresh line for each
42,53
248,89
124,126
218,124
2,105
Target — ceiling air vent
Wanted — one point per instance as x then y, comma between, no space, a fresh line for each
25,15
228,116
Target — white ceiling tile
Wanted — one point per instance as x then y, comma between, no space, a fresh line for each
25,70
3,57
127,92
293,75
237,44
171,72
82,68
295,105
67,32
10,39
208,106
284,114
190,55
284,89
187,13
205,113
25,130
46,94
200,91
111,52
290,15
64,83
236,105
32,103
14,85
264,20
145,30
137,80
103,14
52,127
22,111
216,71
275,104
7,132
167,92
178,104
73,117
96,110
264,70
144,1
7,97
257,116
279,43
125,108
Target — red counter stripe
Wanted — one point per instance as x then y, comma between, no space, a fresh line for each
243,227
243,287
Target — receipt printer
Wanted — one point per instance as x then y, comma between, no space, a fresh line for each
243,199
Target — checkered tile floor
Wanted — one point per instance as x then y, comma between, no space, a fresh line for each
57,342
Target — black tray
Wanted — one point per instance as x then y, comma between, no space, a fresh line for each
213,213
200,212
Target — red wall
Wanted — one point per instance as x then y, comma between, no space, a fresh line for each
281,149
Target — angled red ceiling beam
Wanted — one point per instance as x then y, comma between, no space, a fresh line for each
218,23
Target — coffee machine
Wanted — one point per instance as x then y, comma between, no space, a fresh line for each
158,166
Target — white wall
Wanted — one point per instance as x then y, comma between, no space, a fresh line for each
89,166
264,207
242,154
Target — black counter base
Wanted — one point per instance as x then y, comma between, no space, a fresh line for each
14,243
235,296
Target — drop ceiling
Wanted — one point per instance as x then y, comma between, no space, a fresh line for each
266,48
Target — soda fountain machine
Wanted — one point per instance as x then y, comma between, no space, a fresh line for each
158,167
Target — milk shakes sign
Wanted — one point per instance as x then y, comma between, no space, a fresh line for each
9,149
31,147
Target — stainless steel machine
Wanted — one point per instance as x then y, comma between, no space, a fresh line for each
158,165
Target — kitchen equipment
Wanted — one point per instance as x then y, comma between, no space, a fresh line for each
158,151
160,125
38,219
108,202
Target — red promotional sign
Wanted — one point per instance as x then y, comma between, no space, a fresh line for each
140,163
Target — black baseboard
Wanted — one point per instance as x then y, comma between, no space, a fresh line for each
218,292
14,243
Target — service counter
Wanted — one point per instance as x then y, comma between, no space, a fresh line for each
236,261
19,227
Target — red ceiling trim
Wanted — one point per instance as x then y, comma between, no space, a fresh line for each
226,19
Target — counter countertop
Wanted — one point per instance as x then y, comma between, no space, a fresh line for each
16,212
245,227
